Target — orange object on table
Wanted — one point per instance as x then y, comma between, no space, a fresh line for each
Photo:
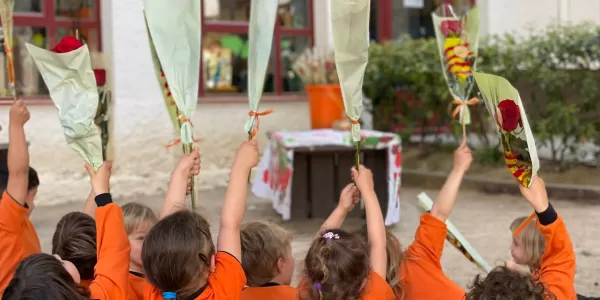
326,105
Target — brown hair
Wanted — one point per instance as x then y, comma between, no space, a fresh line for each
136,214
42,276
75,240
263,244
532,240
503,283
395,256
336,268
177,253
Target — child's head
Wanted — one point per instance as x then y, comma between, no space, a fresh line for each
139,219
43,276
75,241
336,267
395,256
266,254
178,253
32,186
503,283
528,247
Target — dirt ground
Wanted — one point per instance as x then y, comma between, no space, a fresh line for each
483,220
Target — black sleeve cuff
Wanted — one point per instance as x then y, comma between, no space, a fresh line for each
548,216
103,199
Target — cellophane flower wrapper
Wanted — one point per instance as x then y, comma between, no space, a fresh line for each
504,104
457,39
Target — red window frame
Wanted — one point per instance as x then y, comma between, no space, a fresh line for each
237,27
51,22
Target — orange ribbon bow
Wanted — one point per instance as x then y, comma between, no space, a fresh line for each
177,141
460,104
253,131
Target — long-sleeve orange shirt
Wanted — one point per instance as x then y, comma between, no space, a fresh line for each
421,274
18,238
136,286
111,273
225,283
270,292
557,269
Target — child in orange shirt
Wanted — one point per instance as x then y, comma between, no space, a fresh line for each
178,253
18,238
421,274
340,265
267,261
395,256
556,274
139,218
111,271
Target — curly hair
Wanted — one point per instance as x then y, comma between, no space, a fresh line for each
336,268
503,283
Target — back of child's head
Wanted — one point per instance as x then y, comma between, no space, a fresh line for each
75,240
177,253
529,246
34,180
395,256
266,251
42,276
137,215
503,283
336,266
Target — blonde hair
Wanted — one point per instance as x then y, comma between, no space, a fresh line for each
263,244
532,240
395,256
136,214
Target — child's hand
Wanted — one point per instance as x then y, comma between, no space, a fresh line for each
363,178
19,114
536,194
247,155
100,180
349,197
462,157
189,164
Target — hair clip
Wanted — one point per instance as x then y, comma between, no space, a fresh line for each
169,295
330,235
318,286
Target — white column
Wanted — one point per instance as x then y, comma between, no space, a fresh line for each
322,25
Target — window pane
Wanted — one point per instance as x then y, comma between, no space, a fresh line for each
76,9
28,80
412,20
88,36
291,48
28,6
227,10
294,13
373,19
225,64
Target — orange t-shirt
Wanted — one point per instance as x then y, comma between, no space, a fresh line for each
421,274
270,292
18,238
375,289
136,286
225,283
111,273
558,262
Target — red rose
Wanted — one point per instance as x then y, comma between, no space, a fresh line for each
67,44
451,27
100,77
508,115
266,176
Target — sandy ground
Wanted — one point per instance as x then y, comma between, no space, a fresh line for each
483,220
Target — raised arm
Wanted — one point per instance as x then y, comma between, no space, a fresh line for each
235,199
375,224
444,203
18,154
557,269
89,207
349,197
189,165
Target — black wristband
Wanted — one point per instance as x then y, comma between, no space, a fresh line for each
548,216
103,199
